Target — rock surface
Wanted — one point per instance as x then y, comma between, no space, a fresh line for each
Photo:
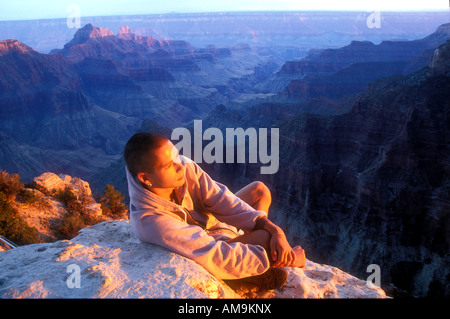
112,263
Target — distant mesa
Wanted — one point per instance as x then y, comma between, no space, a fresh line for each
84,34
91,32
124,30
14,46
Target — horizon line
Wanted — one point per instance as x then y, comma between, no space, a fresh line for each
241,12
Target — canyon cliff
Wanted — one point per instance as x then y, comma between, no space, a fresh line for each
87,98
370,185
334,73
44,113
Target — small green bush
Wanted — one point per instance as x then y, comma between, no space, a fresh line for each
14,227
27,196
112,203
67,197
10,184
76,217
69,226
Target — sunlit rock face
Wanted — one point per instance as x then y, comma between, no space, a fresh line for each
107,261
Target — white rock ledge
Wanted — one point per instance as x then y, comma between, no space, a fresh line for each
114,264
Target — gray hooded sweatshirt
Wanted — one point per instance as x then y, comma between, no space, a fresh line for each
198,228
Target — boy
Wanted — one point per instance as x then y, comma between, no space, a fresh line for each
175,204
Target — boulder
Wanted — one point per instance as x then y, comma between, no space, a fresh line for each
52,183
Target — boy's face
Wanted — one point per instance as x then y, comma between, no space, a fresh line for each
168,171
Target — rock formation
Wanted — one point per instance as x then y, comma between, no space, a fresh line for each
107,261
52,183
14,46
43,109
48,210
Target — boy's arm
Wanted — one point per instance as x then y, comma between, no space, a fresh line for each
225,205
230,209
265,223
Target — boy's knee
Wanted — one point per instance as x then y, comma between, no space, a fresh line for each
262,190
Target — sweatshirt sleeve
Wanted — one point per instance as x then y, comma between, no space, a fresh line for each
224,204
223,260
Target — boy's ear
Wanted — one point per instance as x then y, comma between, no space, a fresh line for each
143,178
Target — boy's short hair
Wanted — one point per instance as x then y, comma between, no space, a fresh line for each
137,148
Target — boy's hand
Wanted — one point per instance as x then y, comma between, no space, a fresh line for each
282,253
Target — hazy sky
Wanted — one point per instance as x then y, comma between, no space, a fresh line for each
43,9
